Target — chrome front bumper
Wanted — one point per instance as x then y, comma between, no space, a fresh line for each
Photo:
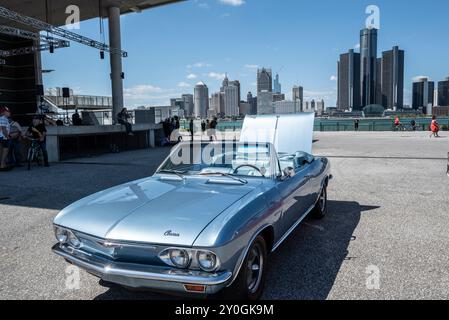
142,276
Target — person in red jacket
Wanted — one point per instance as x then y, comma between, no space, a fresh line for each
434,127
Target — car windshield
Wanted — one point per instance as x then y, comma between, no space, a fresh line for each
221,159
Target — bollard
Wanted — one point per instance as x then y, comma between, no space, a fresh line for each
447,164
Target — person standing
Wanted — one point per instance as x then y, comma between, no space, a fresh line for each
191,129
413,124
203,127
4,137
434,127
15,144
356,124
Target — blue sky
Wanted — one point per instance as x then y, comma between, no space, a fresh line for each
173,47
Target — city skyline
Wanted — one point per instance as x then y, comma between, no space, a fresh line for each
159,70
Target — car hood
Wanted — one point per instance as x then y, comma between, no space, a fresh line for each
153,210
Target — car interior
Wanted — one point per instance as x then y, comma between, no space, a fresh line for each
292,163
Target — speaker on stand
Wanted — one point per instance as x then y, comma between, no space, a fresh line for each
65,97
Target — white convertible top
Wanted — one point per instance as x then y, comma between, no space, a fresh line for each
288,133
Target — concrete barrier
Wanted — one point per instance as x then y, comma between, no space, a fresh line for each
54,133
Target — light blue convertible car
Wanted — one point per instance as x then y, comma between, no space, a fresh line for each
207,219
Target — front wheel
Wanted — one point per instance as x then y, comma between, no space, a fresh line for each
250,281
319,212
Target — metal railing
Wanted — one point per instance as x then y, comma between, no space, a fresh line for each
82,102
422,124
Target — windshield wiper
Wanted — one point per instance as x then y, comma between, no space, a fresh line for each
177,172
224,175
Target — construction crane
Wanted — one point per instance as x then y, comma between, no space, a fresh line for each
43,26
28,50
16,32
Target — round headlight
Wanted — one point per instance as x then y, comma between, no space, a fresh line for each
207,260
73,240
180,258
61,234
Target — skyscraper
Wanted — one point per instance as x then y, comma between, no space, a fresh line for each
277,85
253,102
201,93
393,79
443,93
298,95
265,102
368,66
231,97
349,81
423,94
236,83
188,104
379,81
217,103
231,101
264,80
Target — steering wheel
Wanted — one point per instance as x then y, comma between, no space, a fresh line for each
247,165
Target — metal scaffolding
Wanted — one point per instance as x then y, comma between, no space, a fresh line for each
43,26
16,32
33,49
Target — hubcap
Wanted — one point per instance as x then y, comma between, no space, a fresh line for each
254,269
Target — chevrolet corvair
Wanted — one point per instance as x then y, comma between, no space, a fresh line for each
207,220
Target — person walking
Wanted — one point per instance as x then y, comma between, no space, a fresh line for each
4,137
213,129
397,124
434,127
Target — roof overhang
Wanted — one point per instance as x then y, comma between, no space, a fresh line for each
54,11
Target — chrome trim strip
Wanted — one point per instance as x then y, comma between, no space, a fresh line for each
193,277
291,229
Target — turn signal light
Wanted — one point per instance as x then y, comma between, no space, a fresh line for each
194,288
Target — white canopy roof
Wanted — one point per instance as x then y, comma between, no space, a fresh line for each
288,133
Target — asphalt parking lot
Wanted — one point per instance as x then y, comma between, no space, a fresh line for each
388,211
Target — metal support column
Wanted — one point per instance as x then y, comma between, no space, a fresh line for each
116,62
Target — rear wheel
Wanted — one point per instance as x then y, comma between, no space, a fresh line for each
320,210
250,281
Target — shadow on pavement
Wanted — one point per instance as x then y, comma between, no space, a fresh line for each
306,265
303,268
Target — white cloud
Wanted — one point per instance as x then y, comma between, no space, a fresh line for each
199,65
333,78
142,89
217,76
192,76
184,85
234,3
225,15
251,66
357,46
146,94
